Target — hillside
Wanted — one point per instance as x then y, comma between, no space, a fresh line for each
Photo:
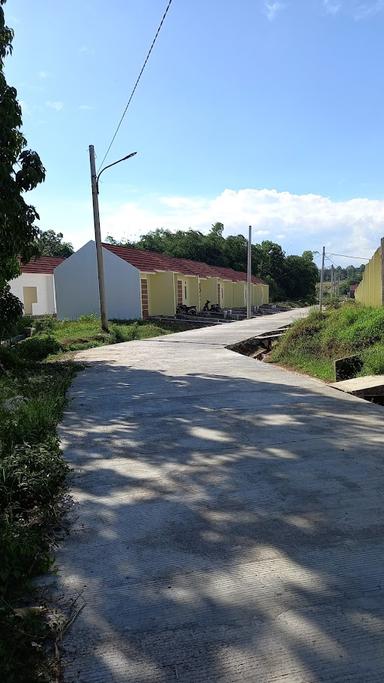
311,345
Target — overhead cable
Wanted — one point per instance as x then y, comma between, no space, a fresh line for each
359,258
136,82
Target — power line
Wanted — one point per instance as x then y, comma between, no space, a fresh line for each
137,82
359,258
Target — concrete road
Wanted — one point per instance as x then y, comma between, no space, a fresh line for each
228,521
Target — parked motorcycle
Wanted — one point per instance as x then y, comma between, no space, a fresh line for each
186,310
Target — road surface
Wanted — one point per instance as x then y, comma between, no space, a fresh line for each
228,522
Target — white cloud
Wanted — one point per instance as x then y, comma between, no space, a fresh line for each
56,105
86,50
85,107
332,6
43,75
364,10
271,8
307,221
358,9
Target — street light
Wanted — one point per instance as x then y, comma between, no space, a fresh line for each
96,222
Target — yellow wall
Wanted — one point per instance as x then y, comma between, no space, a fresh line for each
192,283
160,294
265,293
228,301
238,295
370,289
256,295
208,290
260,295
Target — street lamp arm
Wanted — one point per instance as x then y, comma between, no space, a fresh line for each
132,154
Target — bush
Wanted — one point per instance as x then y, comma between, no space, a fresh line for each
373,360
9,358
11,309
46,324
125,333
31,474
37,348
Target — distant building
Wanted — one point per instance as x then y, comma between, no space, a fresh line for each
141,283
35,286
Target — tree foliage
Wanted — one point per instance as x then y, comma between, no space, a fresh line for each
50,243
291,277
21,170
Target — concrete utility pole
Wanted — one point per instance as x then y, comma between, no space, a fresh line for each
99,248
333,283
96,221
249,272
321,281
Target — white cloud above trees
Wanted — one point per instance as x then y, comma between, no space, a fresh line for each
299,222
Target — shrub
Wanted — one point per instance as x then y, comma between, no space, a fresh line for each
9,358
31,474
373,360
37,348
46,324
11,309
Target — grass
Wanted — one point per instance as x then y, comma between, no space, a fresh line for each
85,333
32,484
311,345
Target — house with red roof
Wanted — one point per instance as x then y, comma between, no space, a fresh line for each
141,283
35,286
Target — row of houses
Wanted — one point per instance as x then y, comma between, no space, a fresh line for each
138,283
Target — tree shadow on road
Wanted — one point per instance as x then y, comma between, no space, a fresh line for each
226,529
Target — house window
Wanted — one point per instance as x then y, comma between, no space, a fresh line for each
185,292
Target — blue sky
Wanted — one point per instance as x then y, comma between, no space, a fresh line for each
257,111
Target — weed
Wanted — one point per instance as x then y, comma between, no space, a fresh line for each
311,345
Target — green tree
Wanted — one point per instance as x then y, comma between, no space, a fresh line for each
50,243
20,170
300,277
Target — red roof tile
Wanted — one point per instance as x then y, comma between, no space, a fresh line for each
42,264
151,262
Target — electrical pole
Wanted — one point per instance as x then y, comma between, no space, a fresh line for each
321,281
249,272
99,248
333,283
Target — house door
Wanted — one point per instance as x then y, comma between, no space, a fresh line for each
30,297
144,298
179,292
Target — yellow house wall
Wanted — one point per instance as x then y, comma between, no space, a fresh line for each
161,294
228,301
257,295
208,290
192,282
193,292
265,294
238,295
370,290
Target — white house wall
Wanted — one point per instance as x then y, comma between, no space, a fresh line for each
77,290
45,291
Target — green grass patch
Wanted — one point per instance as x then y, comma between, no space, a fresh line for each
311,345
32,483
53,338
